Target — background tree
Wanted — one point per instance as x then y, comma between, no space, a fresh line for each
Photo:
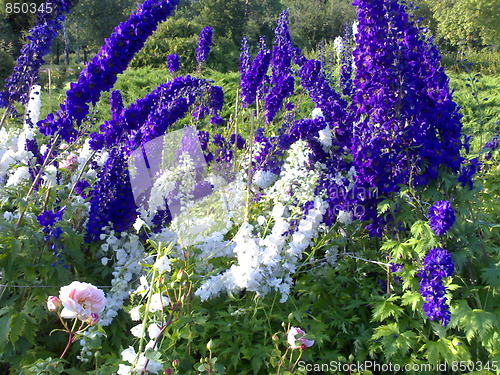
92,21
473,23
314,20
261,16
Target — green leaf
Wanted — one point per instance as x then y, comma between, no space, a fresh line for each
474,322
5,322
383,207
389,245
437,351
219,368
17,324
72,371
491,276
385,330
413,299
201,368
385,309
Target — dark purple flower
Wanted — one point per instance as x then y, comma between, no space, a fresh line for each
32,55
204,44
238,139
116,105
112,198
216,120
151,116
101,72
334,108
437,265
49,218
80,188
200,112
442,217
407,122
219,140
173,62
282,80
467,173
216,99
252,76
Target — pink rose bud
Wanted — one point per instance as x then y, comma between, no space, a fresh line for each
175,362
168,371
296,339
53,303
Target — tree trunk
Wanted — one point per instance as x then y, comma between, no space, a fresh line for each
66,44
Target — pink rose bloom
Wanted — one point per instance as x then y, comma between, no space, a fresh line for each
81,300
296,336
70,163
53,303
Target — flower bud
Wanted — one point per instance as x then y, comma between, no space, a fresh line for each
168,371
53,303
181,276
210,345
175,363
93,319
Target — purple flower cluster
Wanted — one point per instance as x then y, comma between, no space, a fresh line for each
467,173
81,188
151,116
132,127
282,79
492,145
334,108
270,151
442,217
48,220
437,265
36,162
173,62
101,73
28,64
112,198
407,123
204,45
253,73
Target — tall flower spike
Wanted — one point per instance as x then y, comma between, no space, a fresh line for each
282,79
346,62
204,45
101,73
32,54
113,201
437,265
245,57
415,133
333,107
252,78
173,63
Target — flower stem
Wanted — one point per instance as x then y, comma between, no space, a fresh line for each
37,179
68,344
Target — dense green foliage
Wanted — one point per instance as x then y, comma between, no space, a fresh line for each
467,22
456,24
